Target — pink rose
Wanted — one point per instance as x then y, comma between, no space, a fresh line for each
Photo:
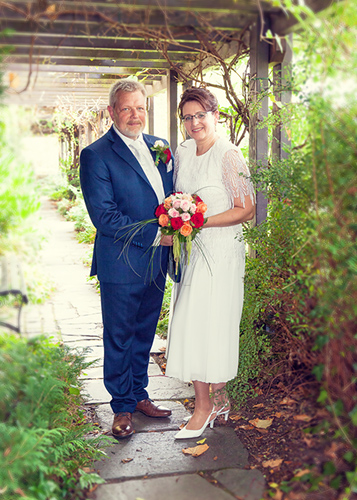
176,204
185,217
185,205
173,213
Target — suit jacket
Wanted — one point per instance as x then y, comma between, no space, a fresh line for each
117,193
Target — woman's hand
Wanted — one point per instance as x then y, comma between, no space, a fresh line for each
166,241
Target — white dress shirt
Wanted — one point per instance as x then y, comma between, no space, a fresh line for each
143,155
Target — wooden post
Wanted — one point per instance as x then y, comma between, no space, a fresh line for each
172,108
151,101
258,137
281,77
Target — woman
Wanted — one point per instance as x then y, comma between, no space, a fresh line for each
206,306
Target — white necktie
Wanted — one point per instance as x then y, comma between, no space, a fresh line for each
144,157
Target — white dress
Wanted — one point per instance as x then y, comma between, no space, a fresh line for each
206,306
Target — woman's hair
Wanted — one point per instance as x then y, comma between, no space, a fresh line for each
125,85
203,96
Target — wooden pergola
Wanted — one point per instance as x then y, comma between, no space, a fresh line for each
74,50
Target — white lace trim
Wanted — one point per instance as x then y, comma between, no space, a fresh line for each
236,176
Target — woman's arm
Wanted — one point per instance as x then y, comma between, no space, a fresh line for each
233,216
236,178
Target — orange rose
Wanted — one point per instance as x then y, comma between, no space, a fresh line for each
164,220
167,203
186,229
201,207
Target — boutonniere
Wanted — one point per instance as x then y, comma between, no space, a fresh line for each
162,152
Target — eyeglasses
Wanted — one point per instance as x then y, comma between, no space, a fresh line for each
199,116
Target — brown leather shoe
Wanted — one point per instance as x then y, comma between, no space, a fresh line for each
148,408
122,425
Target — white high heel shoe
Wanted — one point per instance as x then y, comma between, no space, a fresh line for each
226,408
194,433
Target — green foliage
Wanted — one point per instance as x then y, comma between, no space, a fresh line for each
43,444
300,310
18,199
163,323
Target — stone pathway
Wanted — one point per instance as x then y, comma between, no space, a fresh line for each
150,464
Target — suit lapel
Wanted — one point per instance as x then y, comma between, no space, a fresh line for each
149,141
122,150
125,154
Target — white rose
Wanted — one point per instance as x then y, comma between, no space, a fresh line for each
159,144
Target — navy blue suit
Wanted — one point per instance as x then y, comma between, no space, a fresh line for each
117,193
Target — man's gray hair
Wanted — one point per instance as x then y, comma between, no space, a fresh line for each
125,85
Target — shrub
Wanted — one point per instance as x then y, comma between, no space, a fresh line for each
43,444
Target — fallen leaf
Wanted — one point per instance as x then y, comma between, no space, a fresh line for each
331,452
303,418
245,427
302,473
261,424
20,492
126,460
163,366
308,441
272,463
260,405
235,417
287,401
196,451
215,458
278,414
186,401
202,441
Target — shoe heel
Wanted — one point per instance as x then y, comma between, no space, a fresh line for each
211,424
226,416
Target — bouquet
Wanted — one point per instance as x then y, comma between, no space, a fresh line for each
181,215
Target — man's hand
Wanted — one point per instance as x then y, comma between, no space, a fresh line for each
166,241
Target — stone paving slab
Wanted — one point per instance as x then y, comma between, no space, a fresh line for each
245,484
160,388
169,388
92,373
188,487
146,424
158,345
158,453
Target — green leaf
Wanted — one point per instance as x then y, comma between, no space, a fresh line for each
74,390
353,415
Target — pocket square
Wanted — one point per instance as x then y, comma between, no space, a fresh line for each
169,166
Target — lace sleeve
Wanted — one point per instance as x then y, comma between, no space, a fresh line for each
236,176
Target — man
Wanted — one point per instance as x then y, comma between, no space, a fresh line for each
121,186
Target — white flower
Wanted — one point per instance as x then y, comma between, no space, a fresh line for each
159,144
